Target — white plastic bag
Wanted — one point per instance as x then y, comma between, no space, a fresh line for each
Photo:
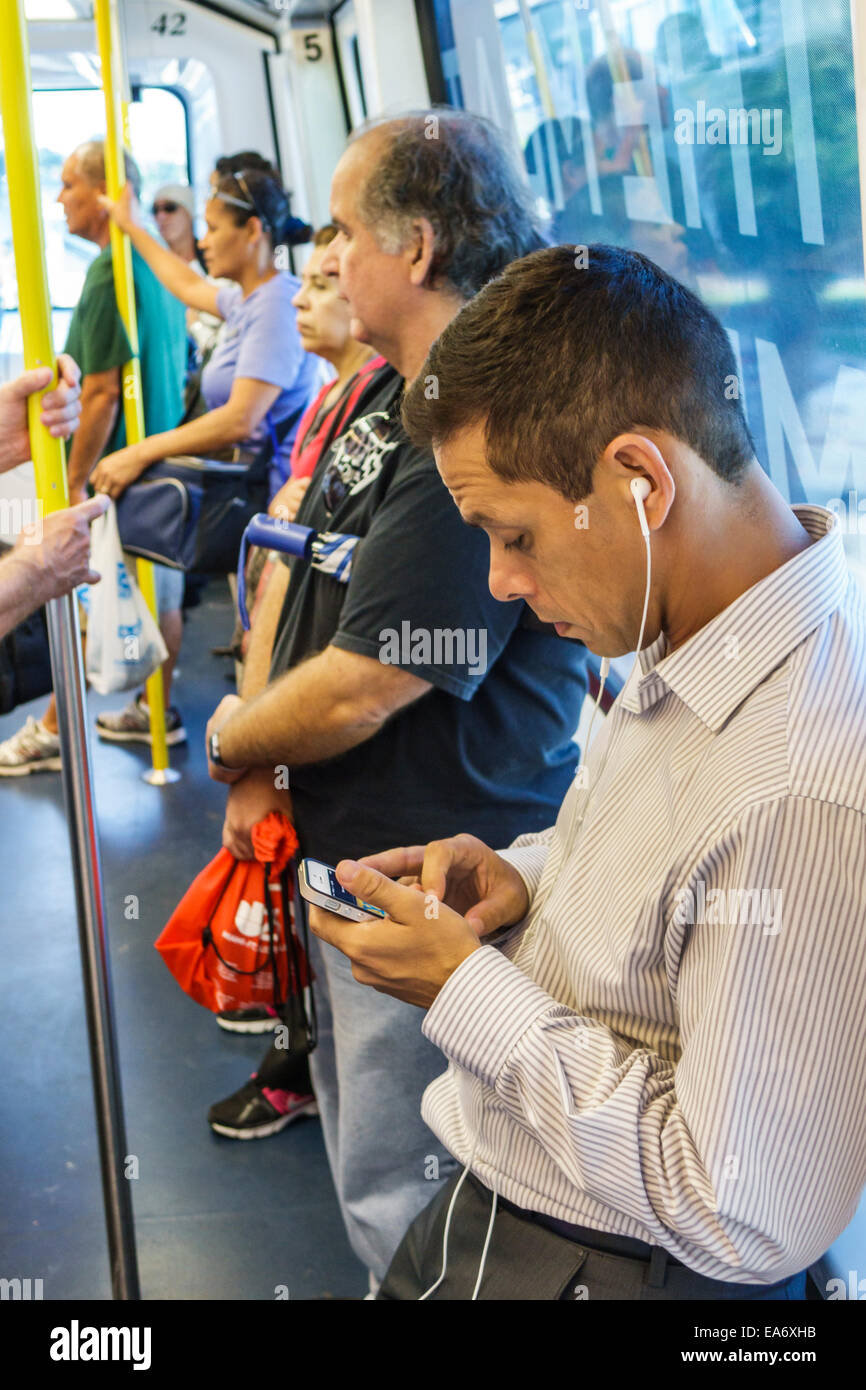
124,643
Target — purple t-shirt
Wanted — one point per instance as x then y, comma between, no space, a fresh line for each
260,340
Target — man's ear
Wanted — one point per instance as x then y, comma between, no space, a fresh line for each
421,250
635,455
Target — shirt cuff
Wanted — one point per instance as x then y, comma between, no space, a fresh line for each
482,1011
529,861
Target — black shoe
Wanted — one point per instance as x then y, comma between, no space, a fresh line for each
251,1113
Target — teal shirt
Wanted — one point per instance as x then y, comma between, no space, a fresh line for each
98,341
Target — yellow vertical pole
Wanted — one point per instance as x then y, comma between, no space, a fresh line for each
22,171
536,54
49,455
620,74
111,60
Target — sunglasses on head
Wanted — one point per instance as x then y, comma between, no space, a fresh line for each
248,200
164,207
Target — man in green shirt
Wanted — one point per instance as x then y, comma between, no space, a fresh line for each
98,336
99,343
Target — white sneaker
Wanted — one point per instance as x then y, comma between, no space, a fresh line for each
32,749
132,724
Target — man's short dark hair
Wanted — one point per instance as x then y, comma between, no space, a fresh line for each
556,361
455,169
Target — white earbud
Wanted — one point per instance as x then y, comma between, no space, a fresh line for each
640,489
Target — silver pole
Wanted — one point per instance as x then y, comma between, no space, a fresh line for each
68,672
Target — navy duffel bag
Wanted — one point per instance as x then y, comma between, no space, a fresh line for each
190,513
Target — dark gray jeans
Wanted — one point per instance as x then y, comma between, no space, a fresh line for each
528,1261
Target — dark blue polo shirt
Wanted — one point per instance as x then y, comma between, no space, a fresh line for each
490,748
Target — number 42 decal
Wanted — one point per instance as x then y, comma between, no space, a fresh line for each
171,24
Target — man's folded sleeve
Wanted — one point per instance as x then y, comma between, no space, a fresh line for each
748,1152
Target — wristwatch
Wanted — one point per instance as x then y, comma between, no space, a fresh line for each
213,750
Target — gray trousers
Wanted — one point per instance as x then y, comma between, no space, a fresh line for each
528,1262
369,1070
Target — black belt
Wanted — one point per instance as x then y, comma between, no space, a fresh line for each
604,1241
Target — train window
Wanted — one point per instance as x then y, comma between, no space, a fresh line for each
63,119
720,140
351,64
50,9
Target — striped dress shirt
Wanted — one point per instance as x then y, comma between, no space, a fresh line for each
672,1044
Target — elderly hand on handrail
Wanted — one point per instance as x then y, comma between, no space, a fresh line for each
60,409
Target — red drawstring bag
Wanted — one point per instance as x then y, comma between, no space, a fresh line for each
230,942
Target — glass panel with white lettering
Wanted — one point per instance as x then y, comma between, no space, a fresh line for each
719,138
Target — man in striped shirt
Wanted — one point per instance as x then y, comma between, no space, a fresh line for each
657,1066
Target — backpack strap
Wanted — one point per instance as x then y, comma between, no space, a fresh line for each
344,409
270,447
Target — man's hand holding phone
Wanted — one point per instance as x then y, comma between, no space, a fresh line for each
465,874
424,937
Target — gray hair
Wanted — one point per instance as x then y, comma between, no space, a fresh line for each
91,157
453,168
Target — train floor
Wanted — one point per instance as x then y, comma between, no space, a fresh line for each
215,1218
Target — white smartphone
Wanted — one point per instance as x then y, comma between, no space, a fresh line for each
319,884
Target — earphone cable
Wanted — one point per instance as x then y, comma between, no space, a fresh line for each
451,1205
487,1239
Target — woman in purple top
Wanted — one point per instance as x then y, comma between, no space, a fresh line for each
258,380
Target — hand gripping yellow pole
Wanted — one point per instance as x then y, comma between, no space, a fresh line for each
111,60
22,170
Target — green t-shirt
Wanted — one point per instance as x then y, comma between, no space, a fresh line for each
97,340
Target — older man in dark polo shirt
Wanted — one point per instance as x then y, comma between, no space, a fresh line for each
410,697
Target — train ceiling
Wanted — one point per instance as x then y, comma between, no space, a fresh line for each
273,14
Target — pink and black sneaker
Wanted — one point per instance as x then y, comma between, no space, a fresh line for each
256,1111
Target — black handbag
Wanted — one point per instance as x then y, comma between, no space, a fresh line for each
190,513
25,660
